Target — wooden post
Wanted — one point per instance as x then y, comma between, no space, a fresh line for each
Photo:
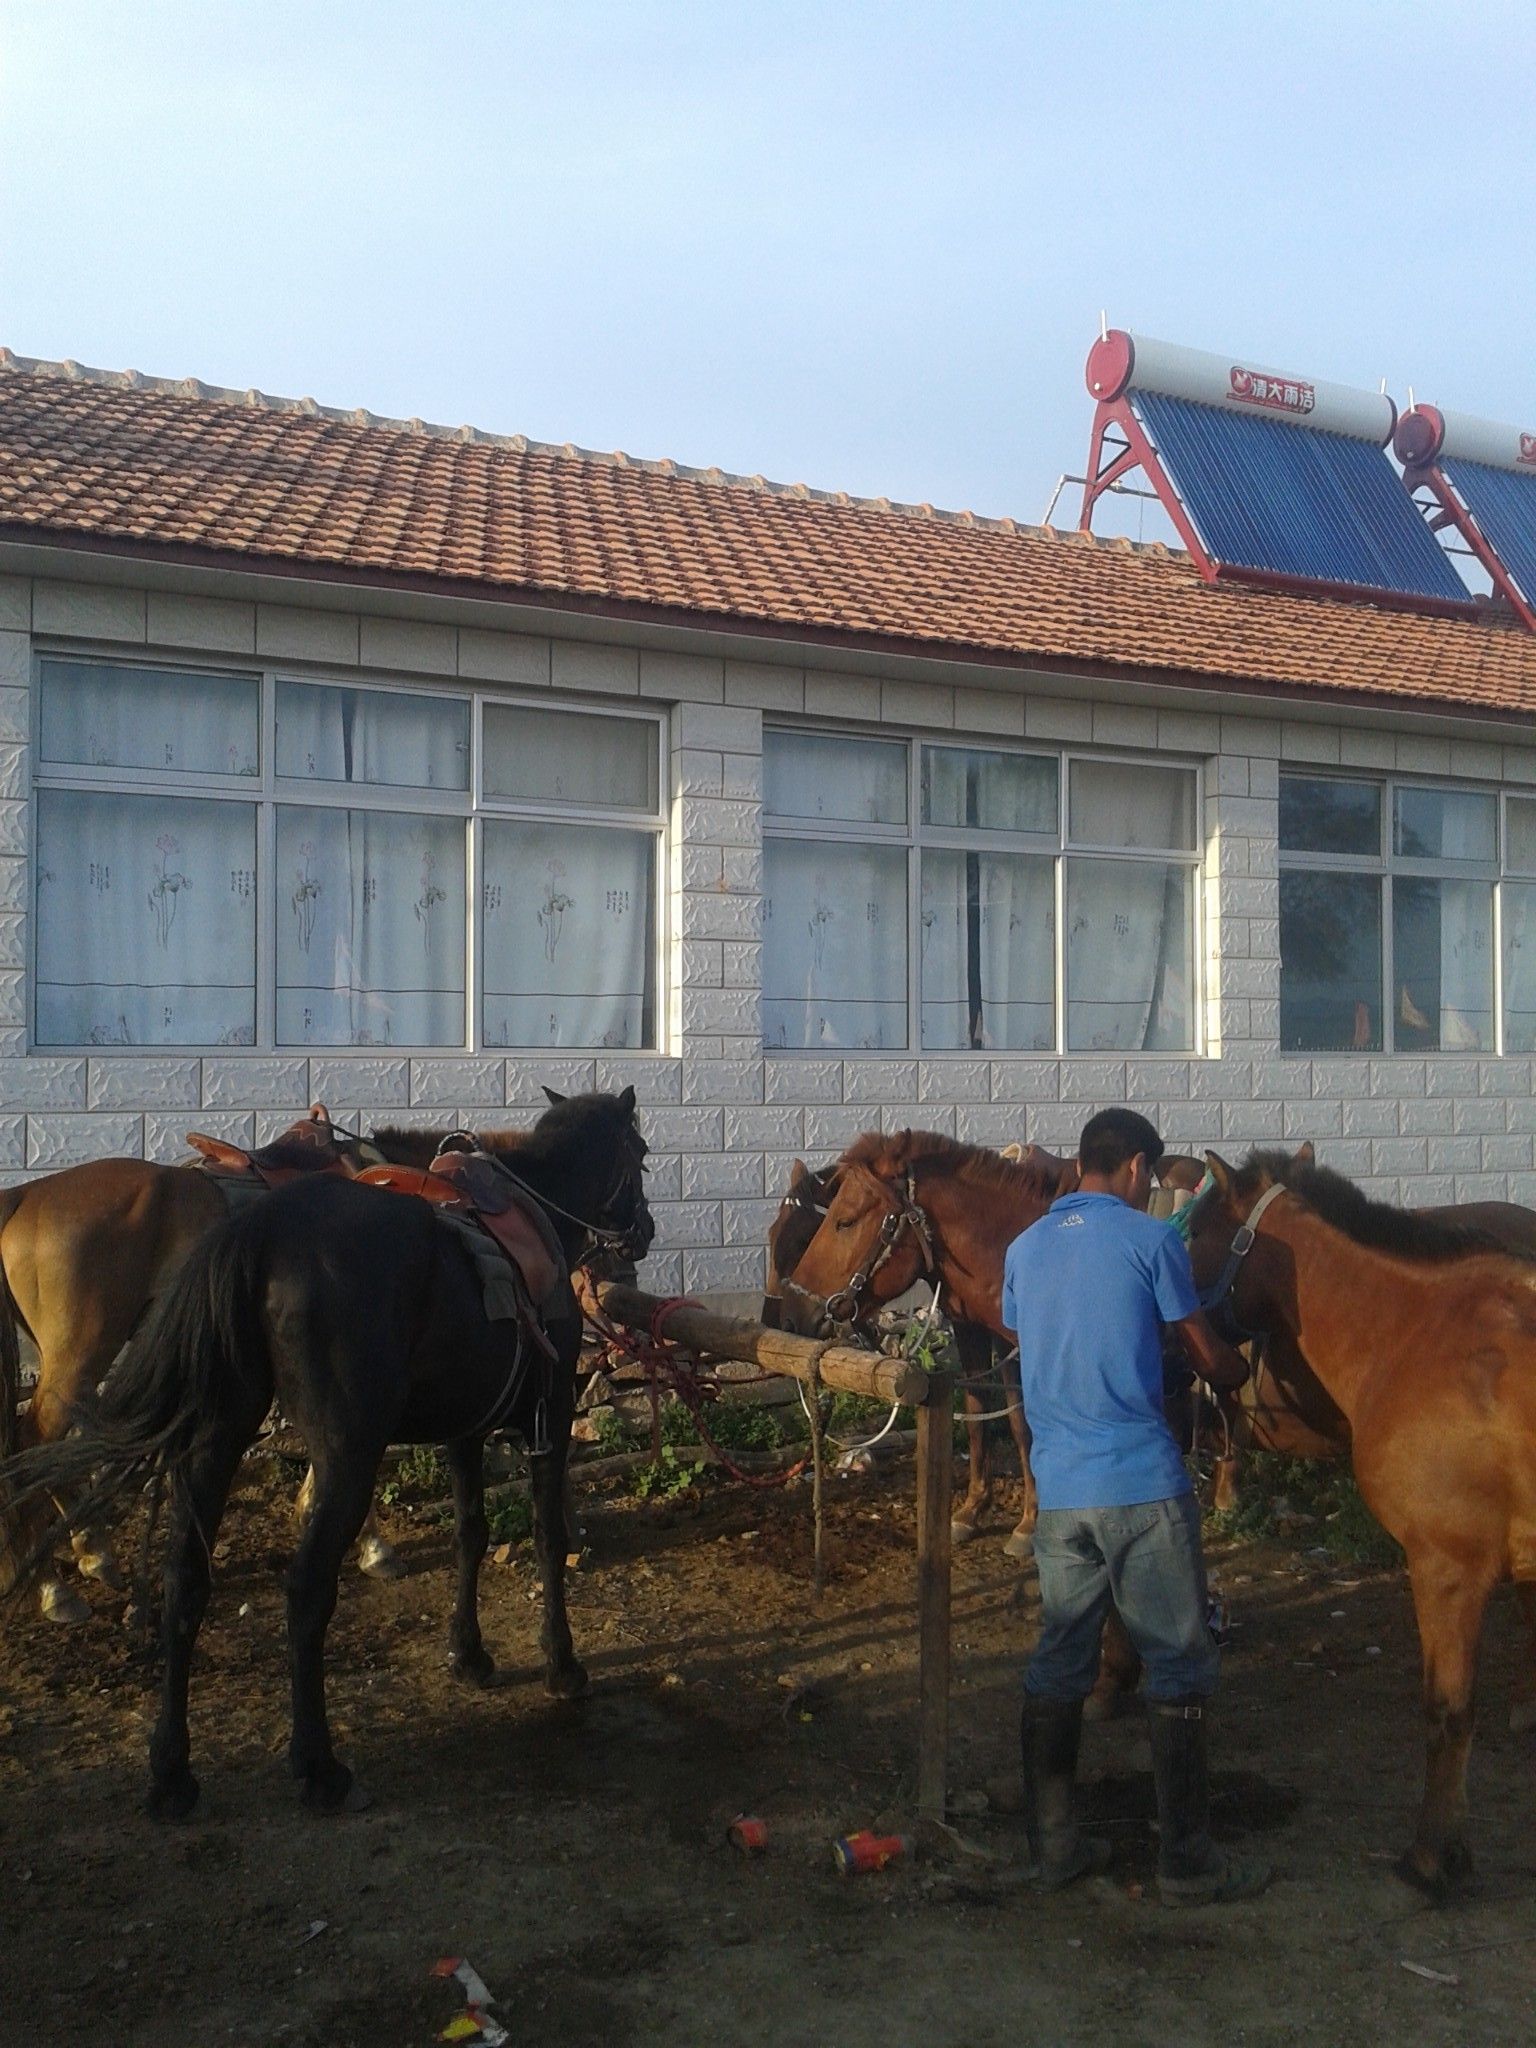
935,1478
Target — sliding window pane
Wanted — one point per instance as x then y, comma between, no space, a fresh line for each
1519,918
370,928
834,944
571,757
1133,804
981,790
1520,825
1130,956
569,923
989,952
1324,814
1330,962
384,738
102,714
854,782
146,920
1442,964
1450,826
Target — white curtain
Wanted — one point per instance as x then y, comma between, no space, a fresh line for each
571,757
1519,966
1469,833
809,775
988,791
97,715
146,920
1137,805
834,944
1130,965
384,737
370,928
1015,965
569,935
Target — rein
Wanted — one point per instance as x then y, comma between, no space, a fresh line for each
601,1234
1216,1297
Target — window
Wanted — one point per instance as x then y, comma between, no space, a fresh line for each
911,881
1387,916
200,884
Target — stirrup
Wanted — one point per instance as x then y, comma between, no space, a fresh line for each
539,1445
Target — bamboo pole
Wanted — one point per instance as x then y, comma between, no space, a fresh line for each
839,1366
935,1478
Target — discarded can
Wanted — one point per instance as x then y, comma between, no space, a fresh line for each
866,1850
748,1834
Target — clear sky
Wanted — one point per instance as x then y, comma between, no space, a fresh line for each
864,245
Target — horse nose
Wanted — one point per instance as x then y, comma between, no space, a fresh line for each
802,1313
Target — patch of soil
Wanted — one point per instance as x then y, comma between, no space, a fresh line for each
576,1854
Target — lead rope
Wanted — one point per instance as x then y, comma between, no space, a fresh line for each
817,1467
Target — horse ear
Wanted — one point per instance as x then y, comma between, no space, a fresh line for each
627,1101
1015,1151
1306,1154
555,1097
799,1174
1224,1176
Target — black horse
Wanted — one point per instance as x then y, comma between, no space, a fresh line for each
361,1312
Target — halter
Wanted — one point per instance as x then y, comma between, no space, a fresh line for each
905,1213
1216,1298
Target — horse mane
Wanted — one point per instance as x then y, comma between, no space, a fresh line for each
1376,1225
885,1153
420,1148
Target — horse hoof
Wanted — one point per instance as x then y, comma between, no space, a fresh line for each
1435,1883
474,1667
334,1790
380,1560
61,1604
963,1530
173,1800
103,1567
569,1683
1020,1545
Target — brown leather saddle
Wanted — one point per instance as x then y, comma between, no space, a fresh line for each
309,1146
469,1186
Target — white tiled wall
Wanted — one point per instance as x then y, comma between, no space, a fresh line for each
724,1123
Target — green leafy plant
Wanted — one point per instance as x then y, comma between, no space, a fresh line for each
511,1518
1309,1502
421,1472
665,1477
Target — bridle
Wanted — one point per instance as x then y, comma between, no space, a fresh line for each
904,1213
629,1181
1217,1299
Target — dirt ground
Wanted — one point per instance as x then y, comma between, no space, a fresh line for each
577,1855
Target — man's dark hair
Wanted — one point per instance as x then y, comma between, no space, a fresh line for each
1114,1136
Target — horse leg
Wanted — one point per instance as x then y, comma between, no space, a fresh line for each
376,1555
1119,1672
1522,1712
1021,1543
467,1654
974,1347
564,1675
201,1492
1449,1609
343,1490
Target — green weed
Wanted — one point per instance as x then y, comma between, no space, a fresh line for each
666,1477
421,1472
1307,1501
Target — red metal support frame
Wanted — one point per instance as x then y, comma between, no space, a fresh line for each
1137,453
1431,477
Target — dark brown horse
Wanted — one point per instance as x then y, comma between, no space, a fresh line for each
366,1316
1420,1334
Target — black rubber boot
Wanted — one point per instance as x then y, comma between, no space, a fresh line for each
1050,1733
1191,1870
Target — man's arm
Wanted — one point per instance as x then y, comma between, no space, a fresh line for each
1214,1359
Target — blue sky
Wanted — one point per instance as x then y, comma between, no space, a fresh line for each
858,244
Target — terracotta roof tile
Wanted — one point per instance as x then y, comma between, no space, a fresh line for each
90,455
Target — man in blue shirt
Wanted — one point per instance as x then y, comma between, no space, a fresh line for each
1089,1290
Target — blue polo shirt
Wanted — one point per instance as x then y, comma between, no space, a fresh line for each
1087,1290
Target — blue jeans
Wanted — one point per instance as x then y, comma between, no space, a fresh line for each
1147,1560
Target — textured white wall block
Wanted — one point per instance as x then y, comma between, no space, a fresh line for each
16,669
88,611
1397,1078
14,840
803,1080
682,678
929,706
1156,1081
741,869
1021,1080
13,771
212,625
995,1124
362,1080
1454,1155
257,1082
683,1130
956,1080
590,665
664,1176
653,1080
1346,1077
416,646
1476,758
145,1083
1319,1120
1189,732
527,1078
742,964
838,696
720,821
1508,1152
165,1132
1228,777
491,657
700,963
1510,1076
1426,1119
1124,725
287,633
1252,1123
723,1081
62,1140
736,1174
1481,1114
781,1129
1250,736
741,777
1100,1082
918,1116
42,1083
737,1271
1057,718
748,1222
1281,1080
13,1141
441,1083
1360,747
1450,1077
737,1010
15,604
762,686
13,942
1300,740
831,1128
718,914
879,1081
696,772
680,1224
990,711
722,728
1482,1187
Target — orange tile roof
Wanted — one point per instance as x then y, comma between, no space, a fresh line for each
238,479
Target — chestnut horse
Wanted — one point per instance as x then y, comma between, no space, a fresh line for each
1421,1334
799,1218
82,1254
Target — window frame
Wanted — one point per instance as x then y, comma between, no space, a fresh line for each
1058,847
1385,864
266,791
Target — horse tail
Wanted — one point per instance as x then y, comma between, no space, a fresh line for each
198,1361
10,1394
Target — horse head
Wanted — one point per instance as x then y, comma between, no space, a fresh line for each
601,1154
799,1218
1236,1271
873,1242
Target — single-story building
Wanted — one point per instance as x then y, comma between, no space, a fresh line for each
411,768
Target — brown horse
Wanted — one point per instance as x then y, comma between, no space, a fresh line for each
82,1254
1421,1334
799,1218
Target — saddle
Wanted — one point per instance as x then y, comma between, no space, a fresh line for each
309,1146
470,1187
